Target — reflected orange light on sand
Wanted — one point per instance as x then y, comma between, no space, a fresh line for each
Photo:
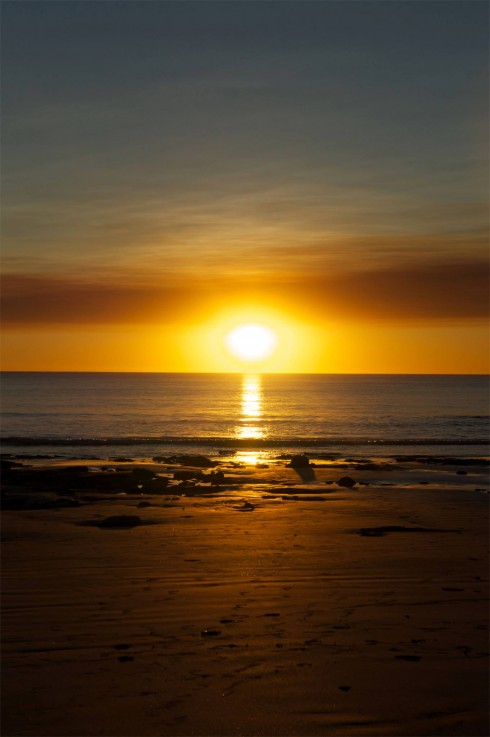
250,458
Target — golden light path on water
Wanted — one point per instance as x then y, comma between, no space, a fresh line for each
251,411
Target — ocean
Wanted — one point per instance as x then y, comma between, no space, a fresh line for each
105,414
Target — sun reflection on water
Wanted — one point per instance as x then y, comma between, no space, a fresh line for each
251,409
250,458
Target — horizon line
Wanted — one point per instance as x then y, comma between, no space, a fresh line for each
251,371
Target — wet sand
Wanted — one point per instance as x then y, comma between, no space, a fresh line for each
279,605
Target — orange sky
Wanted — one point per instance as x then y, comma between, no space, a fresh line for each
172,172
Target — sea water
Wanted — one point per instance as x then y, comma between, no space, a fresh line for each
77,414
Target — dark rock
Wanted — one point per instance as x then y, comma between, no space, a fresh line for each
183,475
346,482
121,521
189,488
344,688
190,460
299,461
247,507
65,479
125,658
210,633
8,465
462,473
300,490
37,501
443,460
63,500
380,531
119,481
121,459
30,456
160,480
112,481
107,480
143,505
142,473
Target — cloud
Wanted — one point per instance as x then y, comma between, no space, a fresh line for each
38,300
430,290
420,291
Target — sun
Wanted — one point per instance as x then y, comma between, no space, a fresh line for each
251,342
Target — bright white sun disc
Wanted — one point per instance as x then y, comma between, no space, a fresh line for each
251,342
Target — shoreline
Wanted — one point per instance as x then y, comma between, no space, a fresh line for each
403,469
251,599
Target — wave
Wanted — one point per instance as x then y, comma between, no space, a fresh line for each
229,442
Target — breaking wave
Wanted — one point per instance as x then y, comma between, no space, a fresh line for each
230,442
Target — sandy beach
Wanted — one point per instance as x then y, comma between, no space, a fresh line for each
264,607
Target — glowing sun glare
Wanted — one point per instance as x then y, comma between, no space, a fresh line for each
251,342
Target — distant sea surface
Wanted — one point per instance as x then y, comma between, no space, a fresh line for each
78,414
